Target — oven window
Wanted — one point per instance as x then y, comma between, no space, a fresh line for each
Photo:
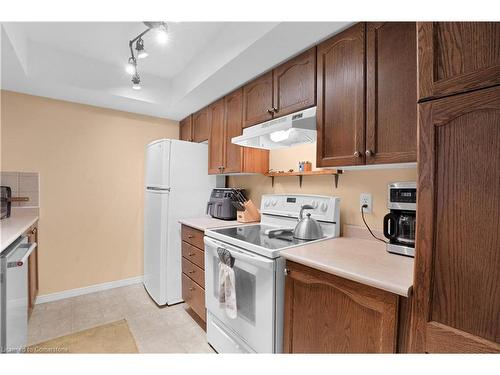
245,291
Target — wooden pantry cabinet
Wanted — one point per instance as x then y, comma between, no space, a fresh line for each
457,57
193,270
325,313
201,124
288,88
379,126
226,123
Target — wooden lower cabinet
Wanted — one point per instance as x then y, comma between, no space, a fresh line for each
32,235
193,270
328,314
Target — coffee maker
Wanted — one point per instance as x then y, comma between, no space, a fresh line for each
400,222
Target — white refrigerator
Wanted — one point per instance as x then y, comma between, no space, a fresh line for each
177,185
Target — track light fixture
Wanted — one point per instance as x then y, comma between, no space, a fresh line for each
161,36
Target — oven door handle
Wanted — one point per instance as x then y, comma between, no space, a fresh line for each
238,254
20,262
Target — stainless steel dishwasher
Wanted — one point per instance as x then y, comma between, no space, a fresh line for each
14,295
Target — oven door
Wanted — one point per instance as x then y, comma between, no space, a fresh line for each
255,295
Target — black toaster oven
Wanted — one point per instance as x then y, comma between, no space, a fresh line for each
6,195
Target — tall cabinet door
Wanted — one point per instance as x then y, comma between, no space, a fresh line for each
234,119
341,99
201,123
391,92
457,57
258,100
216,137
457,262
185,129
295,84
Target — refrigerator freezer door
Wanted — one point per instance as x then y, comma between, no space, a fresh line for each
155,244
157,164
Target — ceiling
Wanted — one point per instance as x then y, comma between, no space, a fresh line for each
85,62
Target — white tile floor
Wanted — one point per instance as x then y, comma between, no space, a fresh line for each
155,329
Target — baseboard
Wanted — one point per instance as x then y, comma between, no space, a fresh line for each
88,289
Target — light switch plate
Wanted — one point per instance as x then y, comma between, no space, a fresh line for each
366,198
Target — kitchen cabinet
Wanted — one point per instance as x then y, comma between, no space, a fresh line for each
216,137
341,99
226,123
391,92
457,262
294,84
456,57
288,88
201,124
32,235
193,270
186,129
385,131
328,314
258,100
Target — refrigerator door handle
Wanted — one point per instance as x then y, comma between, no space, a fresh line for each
154,188
20,262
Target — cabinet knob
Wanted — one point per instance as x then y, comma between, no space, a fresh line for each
369,152
270,111
275,110
356,154
190,254
286,271
192,271
190,236
191,289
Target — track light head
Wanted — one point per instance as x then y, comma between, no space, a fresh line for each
136,80
131,67
139,46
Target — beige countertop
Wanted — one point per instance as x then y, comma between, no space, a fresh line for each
19,221
360,260
208,222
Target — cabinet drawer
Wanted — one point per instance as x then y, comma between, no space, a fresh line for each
192,236
193,254
194,272
194,296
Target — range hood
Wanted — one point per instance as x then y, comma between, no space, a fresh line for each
287,131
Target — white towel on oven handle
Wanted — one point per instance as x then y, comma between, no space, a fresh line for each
227,290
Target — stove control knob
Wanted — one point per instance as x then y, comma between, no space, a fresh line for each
314,204
274,202
324,207
266,203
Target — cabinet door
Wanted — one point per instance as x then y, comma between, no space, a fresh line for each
258,100
457,262
341,99
455,57
216,142
328,314
234,120
185,129
295,84
391,87
201,125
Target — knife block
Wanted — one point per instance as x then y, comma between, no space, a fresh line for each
250,215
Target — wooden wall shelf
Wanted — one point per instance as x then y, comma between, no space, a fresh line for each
324,172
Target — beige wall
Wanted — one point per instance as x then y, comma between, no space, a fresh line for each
91,163
351,184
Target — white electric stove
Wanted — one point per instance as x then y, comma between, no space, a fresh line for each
259,272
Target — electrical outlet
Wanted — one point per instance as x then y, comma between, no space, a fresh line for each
365,198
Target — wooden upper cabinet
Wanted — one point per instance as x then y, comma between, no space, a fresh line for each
234,120
201,125
295,84
457,262
216,141
258,100
186,129
457,57
341,99
328,314
391,87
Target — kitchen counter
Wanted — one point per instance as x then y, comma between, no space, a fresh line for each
18,222
208,222
363,261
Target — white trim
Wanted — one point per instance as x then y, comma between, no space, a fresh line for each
88,289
